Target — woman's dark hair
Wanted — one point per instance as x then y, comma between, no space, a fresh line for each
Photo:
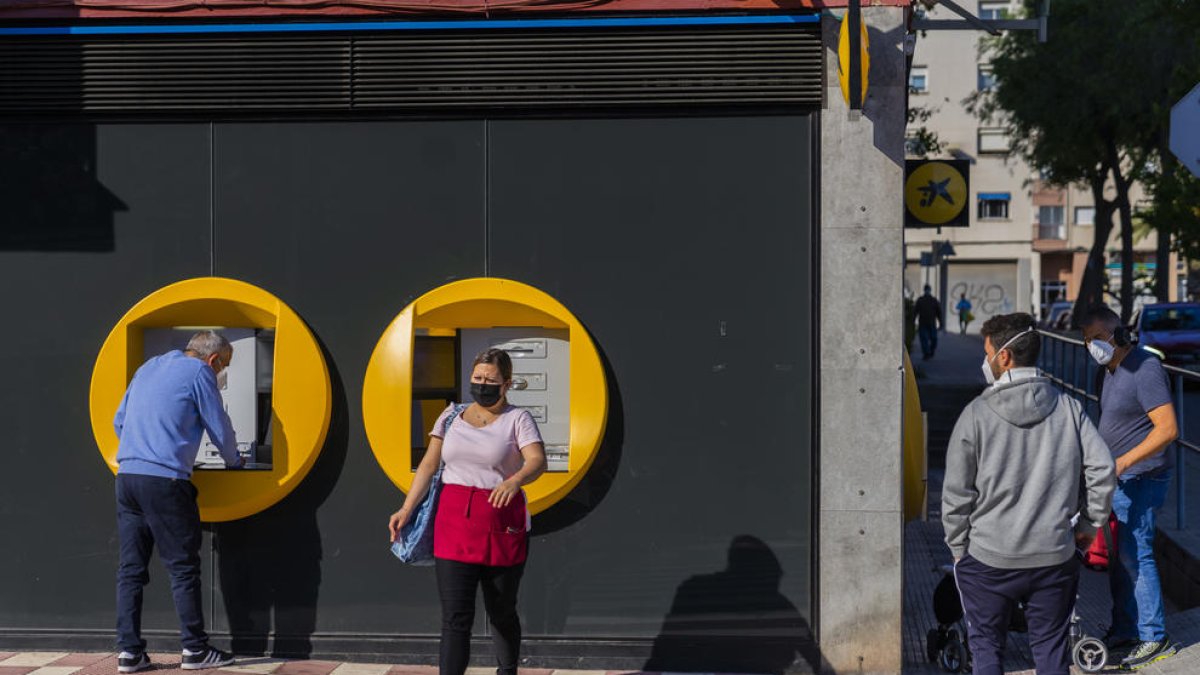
1004,327
498,358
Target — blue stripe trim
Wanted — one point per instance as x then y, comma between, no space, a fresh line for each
1005,196
358,26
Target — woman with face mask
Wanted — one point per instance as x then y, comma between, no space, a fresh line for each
481,530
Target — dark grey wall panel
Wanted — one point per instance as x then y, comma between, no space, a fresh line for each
97,217
683,246
347,223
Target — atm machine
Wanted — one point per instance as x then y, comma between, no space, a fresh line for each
247,393
541,379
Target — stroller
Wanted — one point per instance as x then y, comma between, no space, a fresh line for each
947,645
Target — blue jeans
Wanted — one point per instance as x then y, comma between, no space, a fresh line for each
928,335
154,510
1137,594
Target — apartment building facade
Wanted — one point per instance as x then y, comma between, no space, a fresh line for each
1027,243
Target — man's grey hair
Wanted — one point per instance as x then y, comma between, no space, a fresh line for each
208,342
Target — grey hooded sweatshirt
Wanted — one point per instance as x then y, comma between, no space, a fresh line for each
1014,466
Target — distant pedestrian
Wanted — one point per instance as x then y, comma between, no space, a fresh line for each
1017,460
172,400
929,321
1137,420
965,317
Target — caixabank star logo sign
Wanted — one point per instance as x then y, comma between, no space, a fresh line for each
935,192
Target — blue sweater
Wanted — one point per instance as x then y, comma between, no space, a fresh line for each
172,400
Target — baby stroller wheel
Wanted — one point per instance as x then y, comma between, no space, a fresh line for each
1090,655
934,640
953,656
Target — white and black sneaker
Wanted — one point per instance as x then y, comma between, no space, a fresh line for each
128,662
209,657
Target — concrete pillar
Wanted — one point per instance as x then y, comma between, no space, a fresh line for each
861,333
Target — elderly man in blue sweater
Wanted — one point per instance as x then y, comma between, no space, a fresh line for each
173,399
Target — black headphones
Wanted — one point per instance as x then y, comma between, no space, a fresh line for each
1121,337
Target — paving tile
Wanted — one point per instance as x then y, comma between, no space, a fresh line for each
107,665
16,670
261,665
35,659
418,670
5,655
56,670
307,668
362,669
80,659
166,660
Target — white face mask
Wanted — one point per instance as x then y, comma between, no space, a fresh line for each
987,371
1101,352
987,363
223,379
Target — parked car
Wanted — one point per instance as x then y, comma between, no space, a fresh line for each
1173,330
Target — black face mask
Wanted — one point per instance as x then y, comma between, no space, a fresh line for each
486,395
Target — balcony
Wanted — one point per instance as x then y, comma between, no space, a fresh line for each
1049,237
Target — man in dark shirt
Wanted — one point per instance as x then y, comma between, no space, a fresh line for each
1137,421
929,320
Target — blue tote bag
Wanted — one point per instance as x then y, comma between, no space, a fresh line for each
414,546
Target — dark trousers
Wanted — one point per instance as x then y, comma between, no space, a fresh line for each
988,597
154,510
929,338
457,585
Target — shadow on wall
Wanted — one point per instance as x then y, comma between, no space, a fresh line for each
736,620
885,102
596,483
52,197
269,564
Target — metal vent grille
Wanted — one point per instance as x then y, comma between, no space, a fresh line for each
773,65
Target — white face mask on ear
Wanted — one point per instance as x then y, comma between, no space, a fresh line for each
223,379
1102,352
987,363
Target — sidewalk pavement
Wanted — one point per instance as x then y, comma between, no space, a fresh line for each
63,663
947,383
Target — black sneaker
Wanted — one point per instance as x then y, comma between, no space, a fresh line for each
128,662
1148,652
209,657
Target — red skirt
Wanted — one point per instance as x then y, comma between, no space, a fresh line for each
470,530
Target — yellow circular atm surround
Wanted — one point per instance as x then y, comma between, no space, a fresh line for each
482,303
302,397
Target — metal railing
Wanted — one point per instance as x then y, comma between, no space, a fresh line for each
1051,231
1066,362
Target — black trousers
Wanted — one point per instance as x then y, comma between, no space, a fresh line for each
988,597
162,511
457,585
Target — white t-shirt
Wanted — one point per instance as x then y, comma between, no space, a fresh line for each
485,457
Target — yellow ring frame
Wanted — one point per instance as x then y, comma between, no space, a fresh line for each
482,303
302,397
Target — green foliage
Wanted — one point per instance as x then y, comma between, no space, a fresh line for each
1090,106
1175,208
922,141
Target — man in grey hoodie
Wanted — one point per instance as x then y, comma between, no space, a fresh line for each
1012,506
